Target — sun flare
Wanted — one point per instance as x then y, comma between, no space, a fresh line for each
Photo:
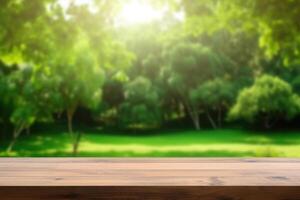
136,12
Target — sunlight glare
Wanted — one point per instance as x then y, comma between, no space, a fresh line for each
137,12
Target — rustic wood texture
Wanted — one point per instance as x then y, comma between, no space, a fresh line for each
148,172
158,178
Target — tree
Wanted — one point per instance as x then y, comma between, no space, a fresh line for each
190,65
79,81
23,116
66,44
23,112
274,21
31,31
214,96
267,100
33,95
142,104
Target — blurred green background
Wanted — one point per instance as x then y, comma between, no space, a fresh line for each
129,78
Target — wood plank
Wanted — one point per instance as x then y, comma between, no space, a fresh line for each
148,172
150,178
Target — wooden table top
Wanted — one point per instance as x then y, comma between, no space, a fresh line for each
149,172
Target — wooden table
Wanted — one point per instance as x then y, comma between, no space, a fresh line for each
153,178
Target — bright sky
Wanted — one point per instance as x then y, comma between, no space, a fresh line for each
136,12
133,12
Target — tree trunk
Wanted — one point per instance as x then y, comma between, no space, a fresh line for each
193,113
16,135
212,122
11,145
76,143
195,118
74,137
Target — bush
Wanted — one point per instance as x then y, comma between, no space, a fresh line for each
268,100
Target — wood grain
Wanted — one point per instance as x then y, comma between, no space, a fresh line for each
148,172
153,178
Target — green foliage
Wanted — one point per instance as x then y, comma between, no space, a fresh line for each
80,80
191,64
269,98
141,106
6,105
193,70
113,94
24,111
296,84
275,21
213,96
214,93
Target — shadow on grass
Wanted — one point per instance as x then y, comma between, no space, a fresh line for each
55,142
29,145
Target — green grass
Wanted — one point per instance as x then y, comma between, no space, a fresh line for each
205,143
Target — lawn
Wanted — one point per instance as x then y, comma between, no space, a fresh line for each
189,143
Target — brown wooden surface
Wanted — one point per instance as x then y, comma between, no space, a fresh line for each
148,172
153,178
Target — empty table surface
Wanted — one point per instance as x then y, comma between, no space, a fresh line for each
149,172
